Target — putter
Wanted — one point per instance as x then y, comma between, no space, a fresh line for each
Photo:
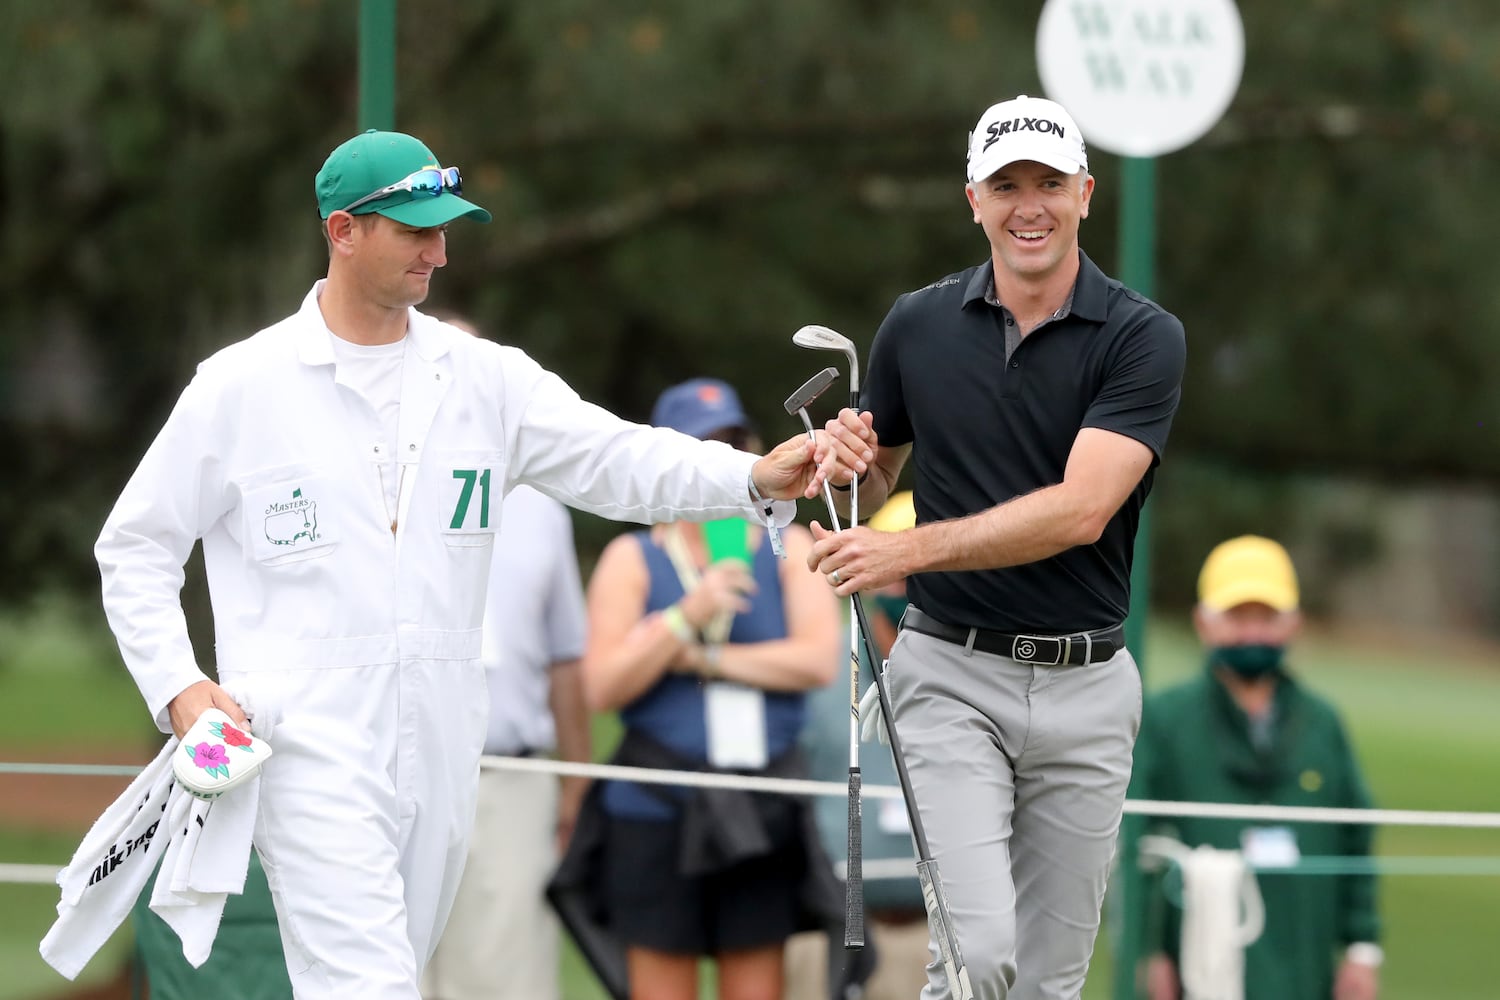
854,880
934,900
821,338
796,405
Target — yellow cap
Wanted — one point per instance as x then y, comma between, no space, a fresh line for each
898,514
1246,570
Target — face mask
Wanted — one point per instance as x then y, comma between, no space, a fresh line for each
1248,661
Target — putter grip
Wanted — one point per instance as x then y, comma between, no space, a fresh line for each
854,878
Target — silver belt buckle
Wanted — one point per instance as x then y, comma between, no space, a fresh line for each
1025,648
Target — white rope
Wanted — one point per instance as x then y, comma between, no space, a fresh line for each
29,874
701,779
1147,807
1315,814
78,770
876,869
695,779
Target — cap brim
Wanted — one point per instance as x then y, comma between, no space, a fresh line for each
984,169
1250,592
718,422
427,212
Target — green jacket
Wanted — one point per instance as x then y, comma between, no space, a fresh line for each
1195,746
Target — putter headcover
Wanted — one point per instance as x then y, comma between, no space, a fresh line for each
216,755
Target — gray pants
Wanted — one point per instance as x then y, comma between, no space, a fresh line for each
1019,773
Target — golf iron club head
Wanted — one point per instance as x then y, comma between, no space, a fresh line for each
822,338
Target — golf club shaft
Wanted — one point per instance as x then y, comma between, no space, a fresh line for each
918,834
933,897
856,846
812,436
854,897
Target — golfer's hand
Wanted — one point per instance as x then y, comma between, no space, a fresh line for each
195,699
872,724
788,471
861,558
846,447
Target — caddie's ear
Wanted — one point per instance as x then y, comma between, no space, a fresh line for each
339,229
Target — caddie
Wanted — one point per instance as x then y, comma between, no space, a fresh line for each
344,469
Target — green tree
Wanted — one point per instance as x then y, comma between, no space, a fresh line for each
678,186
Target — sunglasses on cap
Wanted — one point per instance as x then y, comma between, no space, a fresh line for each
429,182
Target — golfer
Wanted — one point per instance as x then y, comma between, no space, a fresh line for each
1035,394
344,469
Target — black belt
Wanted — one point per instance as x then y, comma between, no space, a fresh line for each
1052,650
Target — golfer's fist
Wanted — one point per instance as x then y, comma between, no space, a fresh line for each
195,699
846,447
859,558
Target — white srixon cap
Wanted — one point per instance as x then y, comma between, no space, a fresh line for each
1025,128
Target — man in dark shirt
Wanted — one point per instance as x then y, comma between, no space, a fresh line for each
1035,394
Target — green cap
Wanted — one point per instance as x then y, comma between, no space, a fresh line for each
374,159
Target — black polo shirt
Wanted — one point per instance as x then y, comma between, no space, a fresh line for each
985,429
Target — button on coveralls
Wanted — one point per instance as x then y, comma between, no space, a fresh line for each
357,647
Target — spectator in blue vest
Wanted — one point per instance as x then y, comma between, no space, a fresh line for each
706,642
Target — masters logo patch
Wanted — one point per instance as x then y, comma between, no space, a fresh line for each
292,521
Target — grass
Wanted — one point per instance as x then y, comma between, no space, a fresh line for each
26,911
1420,720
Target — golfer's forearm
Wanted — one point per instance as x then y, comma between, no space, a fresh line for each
1024,530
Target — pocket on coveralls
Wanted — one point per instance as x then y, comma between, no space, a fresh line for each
471,484
288,517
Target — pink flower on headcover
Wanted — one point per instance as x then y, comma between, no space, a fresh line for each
206,755
234,737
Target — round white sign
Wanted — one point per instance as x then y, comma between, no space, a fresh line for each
1141,77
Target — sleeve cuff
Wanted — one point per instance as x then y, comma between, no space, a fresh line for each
772,513
1365,953
178,681
780,513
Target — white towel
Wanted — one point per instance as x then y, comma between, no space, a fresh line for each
205,865
1222,914
206,859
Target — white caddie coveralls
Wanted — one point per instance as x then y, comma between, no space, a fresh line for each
363,646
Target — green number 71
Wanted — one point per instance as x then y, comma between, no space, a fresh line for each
461,511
